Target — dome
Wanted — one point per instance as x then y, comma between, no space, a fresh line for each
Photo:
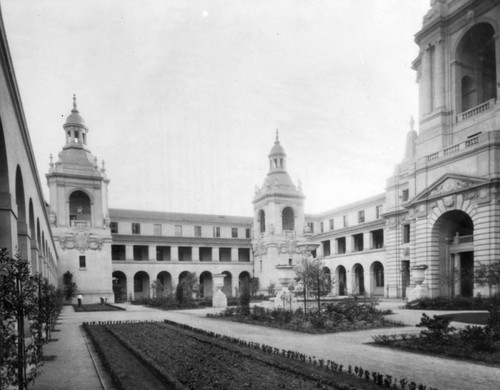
277,149
75,118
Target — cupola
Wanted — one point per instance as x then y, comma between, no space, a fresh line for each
277,156
75,128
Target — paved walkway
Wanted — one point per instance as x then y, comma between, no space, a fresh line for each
73,366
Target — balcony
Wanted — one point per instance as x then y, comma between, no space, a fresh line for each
453,149
476,110
76,223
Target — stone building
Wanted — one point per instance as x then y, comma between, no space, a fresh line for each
24,219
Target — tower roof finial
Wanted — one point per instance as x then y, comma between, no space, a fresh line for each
277,137
412,123
74,103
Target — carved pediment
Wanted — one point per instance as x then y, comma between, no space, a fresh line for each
448,184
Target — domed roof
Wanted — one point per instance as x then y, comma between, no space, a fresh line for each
277,149
75,118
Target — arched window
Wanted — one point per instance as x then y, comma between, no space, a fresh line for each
476,67
288,219
262,221
79,207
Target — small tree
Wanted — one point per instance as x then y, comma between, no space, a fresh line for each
487,275
254,286
314,278
186,288
271,288
70,287
245,296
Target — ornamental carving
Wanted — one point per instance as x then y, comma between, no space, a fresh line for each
259,247
81,241
450,185
289,245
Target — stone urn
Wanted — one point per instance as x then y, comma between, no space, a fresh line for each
418,273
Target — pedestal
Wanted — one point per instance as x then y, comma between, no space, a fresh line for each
285,300
219,299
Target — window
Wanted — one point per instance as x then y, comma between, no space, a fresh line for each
288,219
332,225
361,216
178,230
310,225
378,212
157,229
136,228
247,233
118,252
344,221
163,253
378,239
224,254
234,232
141,252
113,226
197,231
185,253
326,247
341,245
83,262
262,221
243,254
405,194
216,231
205,254
358,242
321,227
406,234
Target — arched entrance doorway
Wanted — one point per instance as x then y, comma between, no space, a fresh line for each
453,237
206,285
377,279
141,285
342,280
243,278
326,271
288,219
79,208
164,284
120,286
358,283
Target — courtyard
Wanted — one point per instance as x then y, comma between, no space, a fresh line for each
72,361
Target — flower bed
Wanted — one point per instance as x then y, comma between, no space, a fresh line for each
456,303
97,307
186,357
475,343
345,315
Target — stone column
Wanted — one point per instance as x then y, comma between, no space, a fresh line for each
130,286
367,241
34,257
439,73
195,253
215,254
174,253
427,80
234,254
129,252
349,244
456,267
497,54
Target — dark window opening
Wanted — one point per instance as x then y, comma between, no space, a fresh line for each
358,242
163,253
406,234
113,226
244,254
118,252
205,254
136,228
141,252
224,254
326,247
341,247
378,239
83,262
185,253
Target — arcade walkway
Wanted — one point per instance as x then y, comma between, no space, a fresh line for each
73,366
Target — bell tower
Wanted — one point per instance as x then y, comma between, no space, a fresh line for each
79,216
278,222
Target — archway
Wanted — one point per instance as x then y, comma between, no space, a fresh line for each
228,284
206,285
327,272
119,286
453,254
79,207
22,227
475,61
358,283
5,215
288,219
141,285
33,247
377,279
342,280
164,287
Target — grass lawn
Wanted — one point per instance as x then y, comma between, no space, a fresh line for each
469,318
97,307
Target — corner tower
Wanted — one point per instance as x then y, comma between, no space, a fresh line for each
278,222
79,212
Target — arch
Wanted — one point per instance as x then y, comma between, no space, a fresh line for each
288,219
32,229
341,276
119,286
79,206
358,279
4,165
326,271
183,275
206,285
244,277
377,279
228,283
450,259
6,233
262,221
165,287
141,285
475,60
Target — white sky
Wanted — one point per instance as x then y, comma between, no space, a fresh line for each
183,98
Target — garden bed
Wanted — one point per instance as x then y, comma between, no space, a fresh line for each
476,318
344,315
456,303
97,307
188,358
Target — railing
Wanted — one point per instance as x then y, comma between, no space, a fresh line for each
463,239
476,110
80,223
453,149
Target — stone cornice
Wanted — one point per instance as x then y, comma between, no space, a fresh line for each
360,228
174,240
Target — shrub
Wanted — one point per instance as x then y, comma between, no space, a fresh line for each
478,337
438,328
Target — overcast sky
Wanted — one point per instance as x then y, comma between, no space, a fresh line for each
183,98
